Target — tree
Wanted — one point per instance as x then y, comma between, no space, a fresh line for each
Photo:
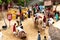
0,2
8,1
20,2
27,1
41,3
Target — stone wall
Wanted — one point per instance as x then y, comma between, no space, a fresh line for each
54,33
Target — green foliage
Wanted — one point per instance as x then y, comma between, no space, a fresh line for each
27,1
21,2
0,2
41,3
8,1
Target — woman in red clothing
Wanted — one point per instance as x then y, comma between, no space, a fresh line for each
14,28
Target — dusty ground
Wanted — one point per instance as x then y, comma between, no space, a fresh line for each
28,27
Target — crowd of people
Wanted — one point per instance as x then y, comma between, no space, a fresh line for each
47,20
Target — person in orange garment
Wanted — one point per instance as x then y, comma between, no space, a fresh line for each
14,28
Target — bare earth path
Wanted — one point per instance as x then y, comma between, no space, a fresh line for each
28,27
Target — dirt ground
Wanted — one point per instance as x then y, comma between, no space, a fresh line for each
29,28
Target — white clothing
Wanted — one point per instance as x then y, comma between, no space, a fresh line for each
51,20
49,38
44,25
30,8
20,29
37,15
14,32
27,12
1,36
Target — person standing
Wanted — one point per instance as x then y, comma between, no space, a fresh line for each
49,38
22,17
20,13
44,21
14,28
51,21
39,37
57,16
1,35
8,6
34,11
36,5
45,38
30,9
20,9
28,13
